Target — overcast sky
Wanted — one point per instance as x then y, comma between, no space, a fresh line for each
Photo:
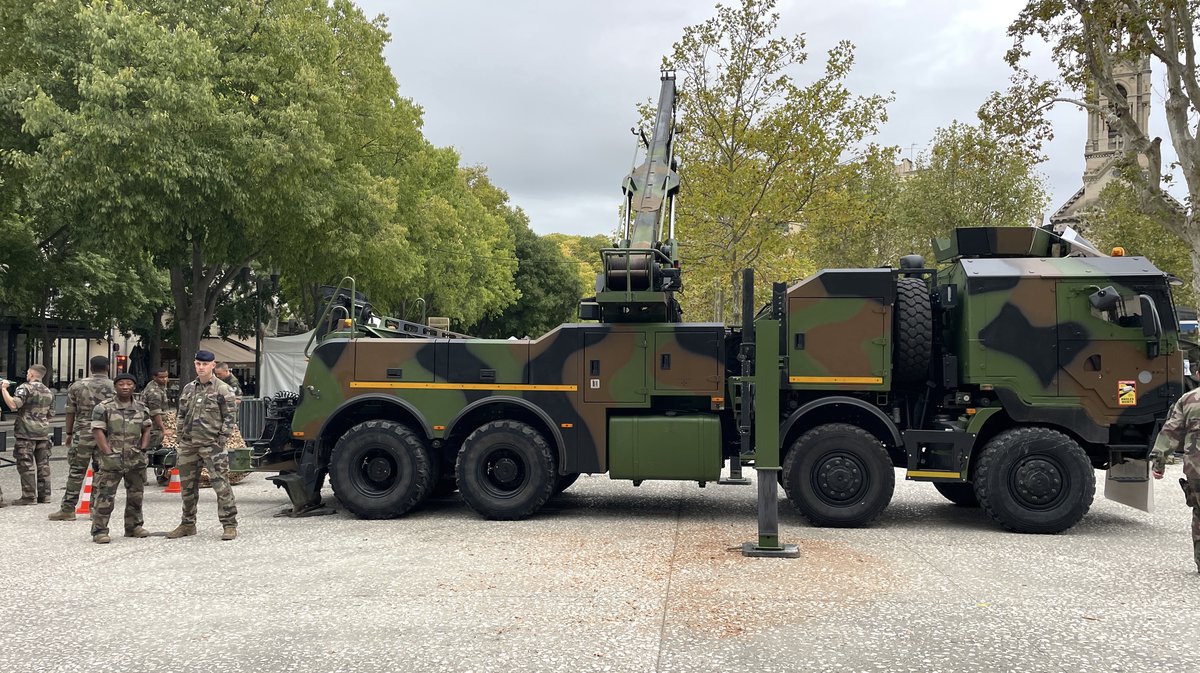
542,92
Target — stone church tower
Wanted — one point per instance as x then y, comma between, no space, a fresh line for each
1105,146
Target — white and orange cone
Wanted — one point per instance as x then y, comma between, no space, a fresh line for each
85,500
174,486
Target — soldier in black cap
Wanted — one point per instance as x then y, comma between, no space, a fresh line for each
206,408
121,430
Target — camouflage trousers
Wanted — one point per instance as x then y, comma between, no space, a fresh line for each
79,456
130,466
189,462
33,464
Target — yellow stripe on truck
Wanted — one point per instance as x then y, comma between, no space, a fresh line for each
869,380
933,474
459,386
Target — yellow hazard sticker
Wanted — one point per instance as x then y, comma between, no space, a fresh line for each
1127,393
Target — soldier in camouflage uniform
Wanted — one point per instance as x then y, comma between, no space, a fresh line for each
227,377
154,396
1181,432
121,429
82,398
34,404
206,408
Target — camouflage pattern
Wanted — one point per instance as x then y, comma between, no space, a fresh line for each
82,398
1181,432
33,465
573,375
234,384
206,419
35,408
154,397
123,424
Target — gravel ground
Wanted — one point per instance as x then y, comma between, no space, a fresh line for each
608,578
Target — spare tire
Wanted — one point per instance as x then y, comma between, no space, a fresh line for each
913,331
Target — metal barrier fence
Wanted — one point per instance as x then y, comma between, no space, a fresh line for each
252,418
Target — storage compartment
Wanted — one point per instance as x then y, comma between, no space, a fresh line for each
683,448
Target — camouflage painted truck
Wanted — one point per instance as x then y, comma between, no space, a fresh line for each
1004,376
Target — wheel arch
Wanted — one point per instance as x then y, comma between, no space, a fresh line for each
840,409
372,407
503,407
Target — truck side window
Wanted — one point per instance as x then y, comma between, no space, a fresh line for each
1126,312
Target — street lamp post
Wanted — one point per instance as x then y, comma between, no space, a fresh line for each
258,325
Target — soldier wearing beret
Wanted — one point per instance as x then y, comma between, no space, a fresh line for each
121,430
1181,432
34,404
82,398
206,408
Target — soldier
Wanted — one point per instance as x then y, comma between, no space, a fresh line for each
34,404
1181,432
121,429
205,421
82,398
154,396
222,372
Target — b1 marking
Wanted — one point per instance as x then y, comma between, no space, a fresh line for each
594,384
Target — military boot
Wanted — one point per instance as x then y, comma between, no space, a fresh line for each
101,539
62,515
137,532
182,530
229,533
23,500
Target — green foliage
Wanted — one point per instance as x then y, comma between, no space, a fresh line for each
583,252
757,149
215,136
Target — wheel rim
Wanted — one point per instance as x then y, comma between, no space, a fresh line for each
840,478
503,473
377,472
1038,482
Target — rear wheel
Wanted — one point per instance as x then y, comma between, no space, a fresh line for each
1034,480
959,493
380,470
505,470
838,475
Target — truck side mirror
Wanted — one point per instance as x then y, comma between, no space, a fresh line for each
1105,299
1151,324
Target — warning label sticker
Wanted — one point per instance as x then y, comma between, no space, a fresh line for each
1127,393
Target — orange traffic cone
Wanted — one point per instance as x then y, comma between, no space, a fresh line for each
85,501
173,487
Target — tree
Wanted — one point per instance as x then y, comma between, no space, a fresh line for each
1090,40
584,253
219,138
970,177
756,148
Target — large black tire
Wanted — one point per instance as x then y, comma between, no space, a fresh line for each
506,470
957,492
838,475
380,470
1034,480
913,331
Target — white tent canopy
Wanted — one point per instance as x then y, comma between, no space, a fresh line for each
283,364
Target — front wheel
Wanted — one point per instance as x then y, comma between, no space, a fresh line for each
505,470
1034,480
838,475
380,470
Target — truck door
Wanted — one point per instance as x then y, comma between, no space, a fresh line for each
1103,355
614,367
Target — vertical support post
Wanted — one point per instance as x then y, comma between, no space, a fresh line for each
766,431
258,333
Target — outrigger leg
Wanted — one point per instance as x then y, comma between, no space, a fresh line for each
304,486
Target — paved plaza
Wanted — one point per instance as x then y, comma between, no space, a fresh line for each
609,578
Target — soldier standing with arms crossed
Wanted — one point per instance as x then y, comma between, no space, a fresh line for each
121,429
1181,432
34,404
82,398
206,408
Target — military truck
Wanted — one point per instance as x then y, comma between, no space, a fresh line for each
1004,375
